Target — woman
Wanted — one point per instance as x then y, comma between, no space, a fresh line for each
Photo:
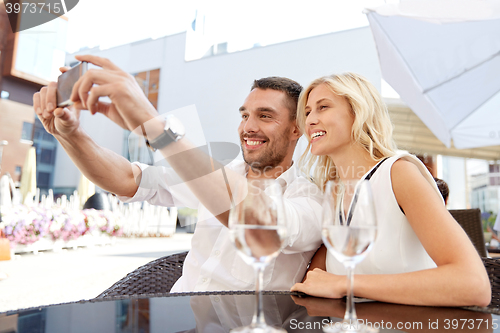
422,256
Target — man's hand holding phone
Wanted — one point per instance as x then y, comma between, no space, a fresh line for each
56,120
129,107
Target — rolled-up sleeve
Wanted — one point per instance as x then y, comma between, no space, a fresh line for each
303,217
161,186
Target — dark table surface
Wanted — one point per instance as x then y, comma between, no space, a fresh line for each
220,312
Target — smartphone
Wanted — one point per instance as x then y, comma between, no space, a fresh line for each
66,81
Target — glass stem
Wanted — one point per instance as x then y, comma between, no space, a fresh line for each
350,311
258,318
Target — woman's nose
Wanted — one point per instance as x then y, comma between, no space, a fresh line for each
311,119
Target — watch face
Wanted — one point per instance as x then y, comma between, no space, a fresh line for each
175,126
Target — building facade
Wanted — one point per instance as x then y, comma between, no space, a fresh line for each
29,60
218,84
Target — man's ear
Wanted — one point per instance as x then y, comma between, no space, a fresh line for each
295,133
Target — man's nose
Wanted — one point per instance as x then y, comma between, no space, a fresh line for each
251,125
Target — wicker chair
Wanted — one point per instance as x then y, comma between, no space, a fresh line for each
492,266
470,220
156,277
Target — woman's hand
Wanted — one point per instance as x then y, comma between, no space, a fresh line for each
322,284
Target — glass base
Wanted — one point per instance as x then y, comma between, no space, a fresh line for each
258,329
347,327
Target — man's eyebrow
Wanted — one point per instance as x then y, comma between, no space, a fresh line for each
261,109
264,109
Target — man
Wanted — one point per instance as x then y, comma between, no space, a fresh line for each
268,135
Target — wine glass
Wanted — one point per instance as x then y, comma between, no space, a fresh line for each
258,231
349,231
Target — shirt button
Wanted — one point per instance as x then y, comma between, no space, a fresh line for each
205,280
217,299
217,253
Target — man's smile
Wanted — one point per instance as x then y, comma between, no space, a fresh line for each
253,143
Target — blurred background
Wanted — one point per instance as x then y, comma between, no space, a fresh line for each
208,53
205,53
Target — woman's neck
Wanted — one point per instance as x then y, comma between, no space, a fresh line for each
353,163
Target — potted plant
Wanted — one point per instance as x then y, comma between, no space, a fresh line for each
488,220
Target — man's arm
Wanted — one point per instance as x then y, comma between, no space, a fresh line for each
131,107
101,166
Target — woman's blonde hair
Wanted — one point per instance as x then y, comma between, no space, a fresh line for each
372,127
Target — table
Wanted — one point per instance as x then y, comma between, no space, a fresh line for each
221,311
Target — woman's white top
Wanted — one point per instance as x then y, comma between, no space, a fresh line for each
397,248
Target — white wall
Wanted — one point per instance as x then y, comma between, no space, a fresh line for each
218,85
103,131
454,174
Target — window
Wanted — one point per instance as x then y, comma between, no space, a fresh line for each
18,170
47,137
27,133
494,174
43,179
46,156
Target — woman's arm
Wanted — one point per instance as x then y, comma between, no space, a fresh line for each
460,278
318,261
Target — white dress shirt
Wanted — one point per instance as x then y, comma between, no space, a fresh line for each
213,262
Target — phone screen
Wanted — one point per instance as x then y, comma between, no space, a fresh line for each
66,81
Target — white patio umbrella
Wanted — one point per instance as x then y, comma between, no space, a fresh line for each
28,177
443,58
5,196
86,189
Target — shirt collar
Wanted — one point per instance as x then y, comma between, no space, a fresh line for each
285,179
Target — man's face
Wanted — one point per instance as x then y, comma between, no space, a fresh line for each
266,131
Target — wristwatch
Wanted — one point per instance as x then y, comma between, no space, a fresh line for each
173,132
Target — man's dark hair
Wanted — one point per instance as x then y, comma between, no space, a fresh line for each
443,188
291,89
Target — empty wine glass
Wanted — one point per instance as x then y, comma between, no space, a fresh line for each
349,231
257,229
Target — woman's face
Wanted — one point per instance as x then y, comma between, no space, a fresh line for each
329,121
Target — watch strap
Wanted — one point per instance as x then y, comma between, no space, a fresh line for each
163,140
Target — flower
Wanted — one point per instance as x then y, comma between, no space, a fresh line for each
26,225
104,221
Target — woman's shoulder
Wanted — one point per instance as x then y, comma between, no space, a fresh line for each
403,163
404,169
408,171
399,163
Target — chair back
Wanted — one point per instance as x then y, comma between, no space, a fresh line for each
492,266
470,220
156,277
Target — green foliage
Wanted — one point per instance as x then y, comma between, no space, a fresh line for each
489,222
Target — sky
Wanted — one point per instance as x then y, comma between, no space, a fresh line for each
115,22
